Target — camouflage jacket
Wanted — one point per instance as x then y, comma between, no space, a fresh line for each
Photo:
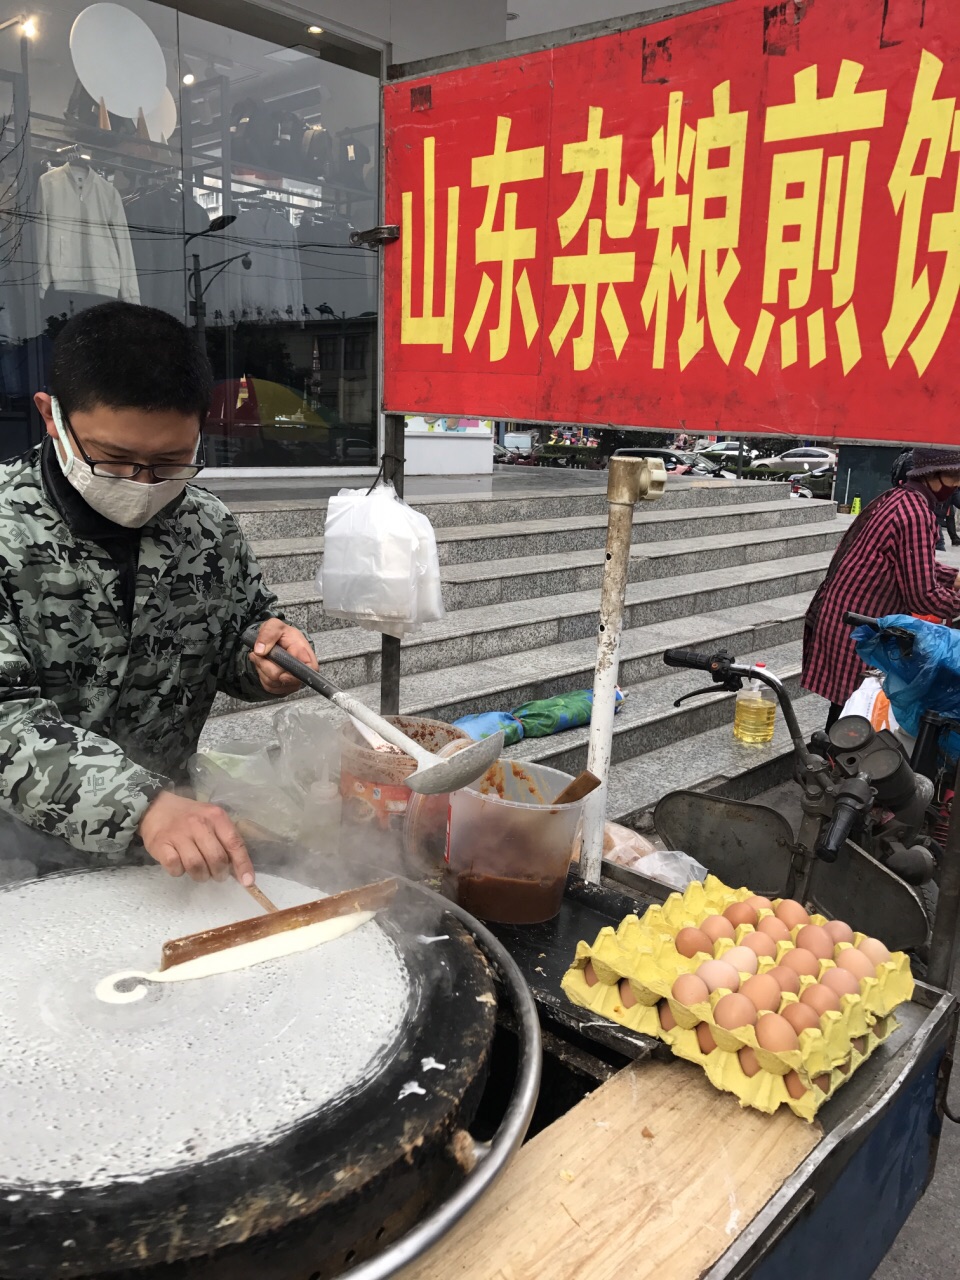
96,717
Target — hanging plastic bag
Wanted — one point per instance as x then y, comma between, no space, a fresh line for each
870,701
380,565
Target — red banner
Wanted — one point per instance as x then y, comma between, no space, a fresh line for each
744,219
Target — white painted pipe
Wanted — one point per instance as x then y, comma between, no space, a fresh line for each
629,479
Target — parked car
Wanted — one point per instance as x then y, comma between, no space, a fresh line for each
807,458
679,463
727,451
813,484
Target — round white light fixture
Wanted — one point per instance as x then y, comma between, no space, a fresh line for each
189,78
28,28
118,58
314,31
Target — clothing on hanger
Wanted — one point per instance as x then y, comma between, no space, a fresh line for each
271,292
341,277
83,243
159,219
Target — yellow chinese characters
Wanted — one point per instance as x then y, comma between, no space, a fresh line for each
507,247
933,127
595,267
430,328
815,214
709,161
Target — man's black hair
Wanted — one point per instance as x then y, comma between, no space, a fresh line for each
125,356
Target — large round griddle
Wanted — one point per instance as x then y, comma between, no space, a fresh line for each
279,1121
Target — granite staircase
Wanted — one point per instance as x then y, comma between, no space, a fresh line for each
714,563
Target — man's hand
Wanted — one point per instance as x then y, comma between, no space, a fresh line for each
273,678
186,836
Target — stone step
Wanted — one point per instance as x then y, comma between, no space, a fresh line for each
351,656
498,684
711,761
648,719
297,559
491,582
301,517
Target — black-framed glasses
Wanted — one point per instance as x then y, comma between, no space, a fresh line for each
128,470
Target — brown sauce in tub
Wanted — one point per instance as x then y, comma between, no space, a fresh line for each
509,901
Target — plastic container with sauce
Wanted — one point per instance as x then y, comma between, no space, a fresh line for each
508,848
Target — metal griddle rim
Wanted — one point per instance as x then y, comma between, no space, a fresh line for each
492,1157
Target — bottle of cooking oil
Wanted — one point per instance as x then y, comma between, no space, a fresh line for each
755,713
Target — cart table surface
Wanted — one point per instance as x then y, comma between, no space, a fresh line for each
656,1155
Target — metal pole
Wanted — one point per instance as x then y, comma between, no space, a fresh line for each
943,944
628,479
389,645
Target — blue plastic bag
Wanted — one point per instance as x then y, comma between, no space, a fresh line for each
927,680
487,723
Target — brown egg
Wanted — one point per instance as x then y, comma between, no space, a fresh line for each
717,927
857,963
860,1044
821,999
690,942
774,929
734,1011
741,913
627,998
801,961
791,913
776,1034
742,958
801,1017
839,931
787,979
822,1082
816,939
841,981
667,1020
689,989
717,974
763,992
590,974
795,1086
760,944
759,902
874,950
704,1038
749,1064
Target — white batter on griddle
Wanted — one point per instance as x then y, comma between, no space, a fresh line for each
230,959
95,1093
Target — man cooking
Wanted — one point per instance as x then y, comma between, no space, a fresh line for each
124,591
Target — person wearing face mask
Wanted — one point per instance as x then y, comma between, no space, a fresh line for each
885,564
124,591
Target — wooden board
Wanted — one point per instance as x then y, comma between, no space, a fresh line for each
654,1174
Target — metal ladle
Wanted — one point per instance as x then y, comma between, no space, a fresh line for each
435,775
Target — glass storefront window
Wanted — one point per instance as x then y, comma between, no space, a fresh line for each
213,163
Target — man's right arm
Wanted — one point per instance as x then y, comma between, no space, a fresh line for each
79,786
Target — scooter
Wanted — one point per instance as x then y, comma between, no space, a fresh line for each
860,854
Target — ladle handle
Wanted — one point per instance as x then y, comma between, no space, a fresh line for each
294,667
352,706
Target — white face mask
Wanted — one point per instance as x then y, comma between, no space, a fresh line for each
125,502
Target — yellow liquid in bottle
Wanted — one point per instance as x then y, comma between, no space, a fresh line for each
754,719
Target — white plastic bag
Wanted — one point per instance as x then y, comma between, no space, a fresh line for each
380,566
870,701
670,867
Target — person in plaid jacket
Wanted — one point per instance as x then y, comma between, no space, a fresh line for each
885,564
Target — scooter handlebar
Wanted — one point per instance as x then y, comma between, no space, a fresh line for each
861,620
691,659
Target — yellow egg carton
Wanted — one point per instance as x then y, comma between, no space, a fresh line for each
642,951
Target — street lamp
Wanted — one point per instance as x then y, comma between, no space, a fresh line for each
198,308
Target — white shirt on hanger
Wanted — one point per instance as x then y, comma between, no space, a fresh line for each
83,243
